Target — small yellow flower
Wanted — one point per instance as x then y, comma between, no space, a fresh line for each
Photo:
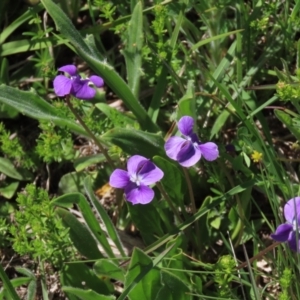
256,156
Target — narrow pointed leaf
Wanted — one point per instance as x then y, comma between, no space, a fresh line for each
33,106
133,49
88,215
80,235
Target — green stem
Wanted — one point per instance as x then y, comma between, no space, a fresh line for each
193,204
167,198
239,230
190,188
7,284
93,137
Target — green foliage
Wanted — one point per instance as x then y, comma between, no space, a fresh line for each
287,92
285,283
225,63
223,275
11,147
37,231
54,143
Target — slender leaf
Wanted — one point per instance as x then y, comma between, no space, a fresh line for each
133,48
80,235
86,294
89,217
8,168
8,285
102,214
33,106
107,268
213,38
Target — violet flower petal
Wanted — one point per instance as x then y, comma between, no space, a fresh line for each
189,155
97,81
70,69
150,173
119,179
62,85
282,232
82,90
294,242
139,194
134,163
209,151
185,125
173,146
289,209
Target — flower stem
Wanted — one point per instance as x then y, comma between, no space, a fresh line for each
191,193
167,198
93,137
193,204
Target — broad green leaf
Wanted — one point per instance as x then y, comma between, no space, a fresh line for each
8,168
149,224
26,272
111,78
134,141
31,290
107,268
143,270
86,294
141,266
287,120
79,275
71,183
85,161
89,217
9,190
133,49
173,288
33,106
80,235
102,214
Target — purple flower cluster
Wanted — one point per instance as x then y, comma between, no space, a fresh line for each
290,231
74,85
187,150
141,172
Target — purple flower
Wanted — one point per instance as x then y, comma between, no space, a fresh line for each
140,173
75,85
187,150
288,232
